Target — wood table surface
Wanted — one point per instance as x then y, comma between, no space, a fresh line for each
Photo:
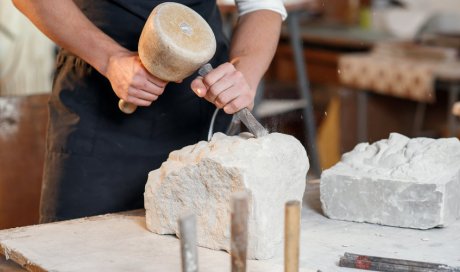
121,242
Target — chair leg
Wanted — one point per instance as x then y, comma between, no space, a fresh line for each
418,119
303,85
361,117
454,92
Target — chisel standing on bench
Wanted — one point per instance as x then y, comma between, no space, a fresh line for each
189,252
291,236
239,231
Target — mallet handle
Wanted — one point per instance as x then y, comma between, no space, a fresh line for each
129,108
456,109
126,107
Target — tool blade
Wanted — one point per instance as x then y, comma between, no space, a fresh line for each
251,123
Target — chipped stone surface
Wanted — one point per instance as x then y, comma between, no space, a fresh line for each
201,178
403,182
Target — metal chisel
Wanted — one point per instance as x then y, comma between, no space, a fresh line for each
244,114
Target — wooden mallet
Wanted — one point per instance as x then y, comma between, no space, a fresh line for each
188,249
239,231
175,42
291,236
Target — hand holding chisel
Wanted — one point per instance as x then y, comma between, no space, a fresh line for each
244,114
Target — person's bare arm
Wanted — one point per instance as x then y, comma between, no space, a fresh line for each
254,41
64,23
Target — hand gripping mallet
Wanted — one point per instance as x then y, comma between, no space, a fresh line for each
175,42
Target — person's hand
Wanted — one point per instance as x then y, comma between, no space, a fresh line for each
131,81
226,88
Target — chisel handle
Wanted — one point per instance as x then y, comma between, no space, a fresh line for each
291,236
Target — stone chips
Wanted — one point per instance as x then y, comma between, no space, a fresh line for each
201,179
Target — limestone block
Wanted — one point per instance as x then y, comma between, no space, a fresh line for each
201,179
403,182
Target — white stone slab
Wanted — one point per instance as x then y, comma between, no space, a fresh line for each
201,178
413,183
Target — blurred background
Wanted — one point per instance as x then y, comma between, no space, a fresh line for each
345,72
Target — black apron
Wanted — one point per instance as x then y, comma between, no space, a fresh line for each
98,158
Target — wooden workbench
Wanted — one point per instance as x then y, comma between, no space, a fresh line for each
121,242
113,242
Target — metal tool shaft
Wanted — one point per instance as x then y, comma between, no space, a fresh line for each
251,123
389,264
189,254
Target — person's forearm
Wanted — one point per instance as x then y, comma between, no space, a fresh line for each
232,86
254,43
64,23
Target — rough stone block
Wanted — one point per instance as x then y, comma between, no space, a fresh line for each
201,178
413,183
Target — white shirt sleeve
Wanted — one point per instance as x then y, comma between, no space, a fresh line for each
246,6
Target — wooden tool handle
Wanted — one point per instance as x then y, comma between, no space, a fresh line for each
239,231
189,255
291,236
456,109
126,107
